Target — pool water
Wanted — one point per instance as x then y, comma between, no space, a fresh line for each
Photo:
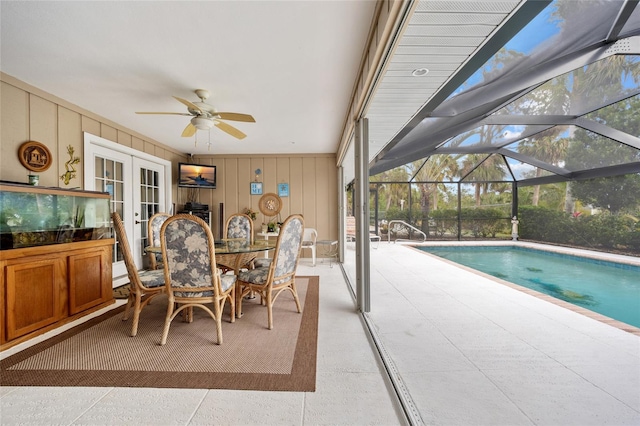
609,288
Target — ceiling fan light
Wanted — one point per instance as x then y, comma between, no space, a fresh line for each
202,123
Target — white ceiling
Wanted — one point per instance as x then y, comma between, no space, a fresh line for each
290,64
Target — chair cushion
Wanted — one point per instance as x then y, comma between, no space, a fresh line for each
258,276
254,276
195,294
262,263
227,281
152,278
239,227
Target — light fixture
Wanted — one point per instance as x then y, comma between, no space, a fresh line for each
419,72
202,123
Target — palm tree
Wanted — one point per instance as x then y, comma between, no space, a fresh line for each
546,147
427,175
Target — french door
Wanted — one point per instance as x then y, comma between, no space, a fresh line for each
139,184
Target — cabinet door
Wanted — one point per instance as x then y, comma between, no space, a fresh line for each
36,294
89,279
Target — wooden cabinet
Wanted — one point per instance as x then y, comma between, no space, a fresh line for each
35,294
45,287
89,279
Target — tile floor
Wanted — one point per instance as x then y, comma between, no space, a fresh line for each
351,387
464,349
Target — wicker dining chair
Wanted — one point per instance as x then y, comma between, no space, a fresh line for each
191,276
153,235
143,285
270,281
238,225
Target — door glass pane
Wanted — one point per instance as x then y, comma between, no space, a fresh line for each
99,166
105,180
149,201
119,175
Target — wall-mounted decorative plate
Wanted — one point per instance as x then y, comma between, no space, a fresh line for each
270,204
35,156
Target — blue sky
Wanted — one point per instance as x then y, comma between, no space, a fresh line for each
540,29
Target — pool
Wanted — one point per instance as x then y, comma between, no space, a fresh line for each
609,288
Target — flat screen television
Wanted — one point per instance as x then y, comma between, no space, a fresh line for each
196,176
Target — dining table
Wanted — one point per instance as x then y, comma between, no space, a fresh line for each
233,254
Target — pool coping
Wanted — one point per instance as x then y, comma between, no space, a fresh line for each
630,260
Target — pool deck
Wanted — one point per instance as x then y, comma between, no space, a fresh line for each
468,349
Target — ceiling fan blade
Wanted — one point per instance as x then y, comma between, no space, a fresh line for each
230,129
170,113
189,104
235,116
189,131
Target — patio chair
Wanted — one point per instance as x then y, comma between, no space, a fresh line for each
272,280
153,235
143,285
191,276
309,242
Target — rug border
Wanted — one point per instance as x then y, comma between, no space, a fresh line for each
301,379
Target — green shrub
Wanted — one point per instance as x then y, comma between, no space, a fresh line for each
482,223
445,222
599,231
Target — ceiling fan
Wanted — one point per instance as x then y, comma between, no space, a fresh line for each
205,116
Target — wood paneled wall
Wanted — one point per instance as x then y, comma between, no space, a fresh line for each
312,179
28,113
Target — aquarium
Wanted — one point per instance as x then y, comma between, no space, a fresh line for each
34,216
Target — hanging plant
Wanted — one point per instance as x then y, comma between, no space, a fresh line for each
252,214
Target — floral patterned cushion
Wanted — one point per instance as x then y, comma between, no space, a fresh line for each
227,281
156,224
290,239
188,259
152,278
286,258
239,227
262,263
254,276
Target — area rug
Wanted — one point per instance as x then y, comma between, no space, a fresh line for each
121,292
102,353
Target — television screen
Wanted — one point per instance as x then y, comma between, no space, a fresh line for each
196,176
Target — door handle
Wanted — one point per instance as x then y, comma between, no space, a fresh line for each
137,222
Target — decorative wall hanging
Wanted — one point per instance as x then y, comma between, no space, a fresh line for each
256,188
71,171
270,204
35,156
283,189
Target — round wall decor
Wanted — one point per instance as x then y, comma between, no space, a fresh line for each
270,204
35,156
